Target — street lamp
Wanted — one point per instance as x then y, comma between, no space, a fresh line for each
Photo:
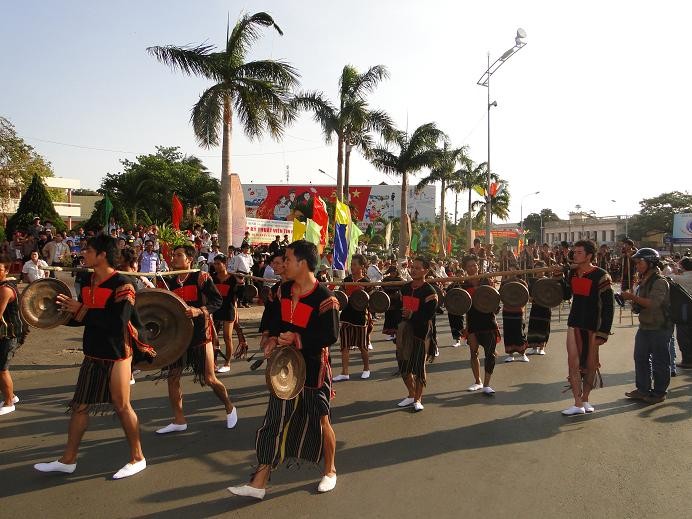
521,209
325,173
519,44
626,218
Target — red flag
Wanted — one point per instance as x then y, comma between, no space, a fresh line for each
177,212
320,217
449,244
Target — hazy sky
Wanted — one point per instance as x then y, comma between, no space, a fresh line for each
596,107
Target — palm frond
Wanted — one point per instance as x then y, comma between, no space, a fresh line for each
276,71
261,106
191,60
385,161
207,115
246,31
367,81
323,111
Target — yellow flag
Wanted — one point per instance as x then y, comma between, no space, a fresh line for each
298,230
312,232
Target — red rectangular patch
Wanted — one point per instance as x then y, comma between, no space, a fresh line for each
581,286
301,313
350,289
223,289
97,299
188,293
411,303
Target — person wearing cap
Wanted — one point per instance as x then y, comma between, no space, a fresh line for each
651,343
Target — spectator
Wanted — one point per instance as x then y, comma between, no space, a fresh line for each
374,272
55,252
246,240
33,269
275,246
36,228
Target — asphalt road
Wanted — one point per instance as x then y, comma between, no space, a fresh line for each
465,455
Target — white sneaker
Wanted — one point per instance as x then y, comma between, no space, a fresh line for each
365,374
475,387
327,483
417,406
406,402
340,378
523,358
573,410
487,390
541,351
172,427
509,358
390,337
248,491
437,352
532,351
456,344
588,407
131,469
370,348
232,418
15,399
56,466
7,409
132,381
223,369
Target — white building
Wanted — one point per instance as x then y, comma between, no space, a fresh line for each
584,226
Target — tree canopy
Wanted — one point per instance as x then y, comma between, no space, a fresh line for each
532,222
142,192
35,202
656,215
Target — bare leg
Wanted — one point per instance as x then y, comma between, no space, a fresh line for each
175,396
592,367
475,363
6,386
418,391
328,446
79,421
366,358
410,385
573,365
228,340
344,360
261,477
210,378
120,395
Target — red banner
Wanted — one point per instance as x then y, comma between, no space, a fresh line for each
177,215
500,234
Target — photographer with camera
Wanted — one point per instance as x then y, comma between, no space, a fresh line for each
651,344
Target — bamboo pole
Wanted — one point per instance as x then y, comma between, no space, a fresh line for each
124,273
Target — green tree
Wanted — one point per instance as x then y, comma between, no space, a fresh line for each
411,154
35,202
534,221
18,163
499,206
445,172
255,92
656,215
352,122
468,178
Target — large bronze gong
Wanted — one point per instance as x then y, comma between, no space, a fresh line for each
285,372
38,304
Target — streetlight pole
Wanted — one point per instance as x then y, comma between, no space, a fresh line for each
626,219
519,44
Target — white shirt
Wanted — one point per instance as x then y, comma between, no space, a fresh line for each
34,271
374,273
242,263
148,262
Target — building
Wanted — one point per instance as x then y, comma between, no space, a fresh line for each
585,226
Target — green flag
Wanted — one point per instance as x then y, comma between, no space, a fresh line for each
353,234
414,242
312,232
107,209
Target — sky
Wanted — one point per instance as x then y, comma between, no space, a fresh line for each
595,108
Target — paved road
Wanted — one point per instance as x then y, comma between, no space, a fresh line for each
465,455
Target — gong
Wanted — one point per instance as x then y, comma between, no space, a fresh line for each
486,299
359,300
514,293
457,301
342,298
379,302
285,372
166,327
38,304
547,292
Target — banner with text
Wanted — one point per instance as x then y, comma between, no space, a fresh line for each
682,228
265,231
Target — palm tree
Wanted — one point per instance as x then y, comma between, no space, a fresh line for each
257,92
444,171
499,207
469,177
415,152
353,121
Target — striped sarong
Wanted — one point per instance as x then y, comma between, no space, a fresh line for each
355,336
292,429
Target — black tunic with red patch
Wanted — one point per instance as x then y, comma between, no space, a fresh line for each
272,307
592,301
111,324
315,321
197,290
227,289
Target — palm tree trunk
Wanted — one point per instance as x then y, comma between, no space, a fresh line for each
339,169
469,230
404,234
347,169
225,210
443,224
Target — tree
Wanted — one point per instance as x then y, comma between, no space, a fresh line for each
444,171
499,206
34,202
18,163
352,122
656,215
412,153
256,92
470,177
535,221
